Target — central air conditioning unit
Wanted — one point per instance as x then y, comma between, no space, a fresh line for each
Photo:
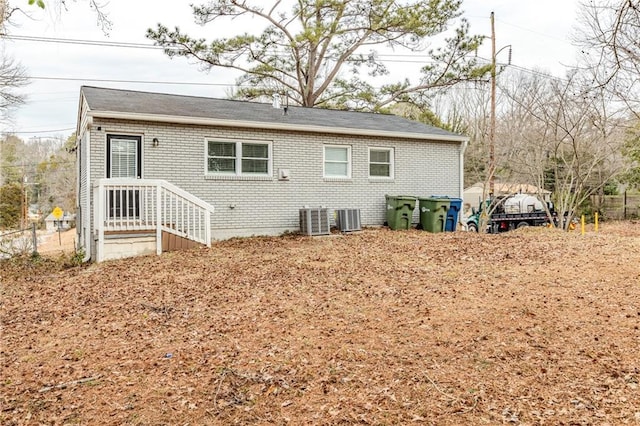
348,220
315,221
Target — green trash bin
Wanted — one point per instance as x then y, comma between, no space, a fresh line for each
399,211
433,213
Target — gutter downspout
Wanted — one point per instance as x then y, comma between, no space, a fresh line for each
463,148
87,213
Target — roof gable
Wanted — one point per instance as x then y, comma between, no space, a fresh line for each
115,103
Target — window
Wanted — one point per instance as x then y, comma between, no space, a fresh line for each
238,158
381,162
222,157
337,161
123,156
255,158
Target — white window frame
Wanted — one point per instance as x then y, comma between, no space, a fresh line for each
238,158
391,162
324,161
140,151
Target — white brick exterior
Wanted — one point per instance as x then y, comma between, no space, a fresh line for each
262,206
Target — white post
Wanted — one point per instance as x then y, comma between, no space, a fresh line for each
463,148
99,201
158,219
34,236
207,227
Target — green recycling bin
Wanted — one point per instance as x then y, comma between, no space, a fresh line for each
399,211
433,213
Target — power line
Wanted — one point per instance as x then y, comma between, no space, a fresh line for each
132,45
415,57
139,45
528,70
539,73
146,45
521,28
186,83
40,131
82,42
534,32
106,80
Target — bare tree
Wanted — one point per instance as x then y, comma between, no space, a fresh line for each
521,148
12,75
12,78
5,13
609,37
572,141
102,18
465,109
551,133
55,175
57,6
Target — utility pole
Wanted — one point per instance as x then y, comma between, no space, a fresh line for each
25,201
492,122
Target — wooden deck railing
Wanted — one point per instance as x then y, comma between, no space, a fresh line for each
135,205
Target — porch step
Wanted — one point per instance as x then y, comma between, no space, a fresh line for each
129,233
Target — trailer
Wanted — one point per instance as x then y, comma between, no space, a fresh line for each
502,222
512,212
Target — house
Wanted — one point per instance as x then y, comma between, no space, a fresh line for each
152,166
52,224
473,194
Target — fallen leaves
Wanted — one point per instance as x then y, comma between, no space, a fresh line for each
377,327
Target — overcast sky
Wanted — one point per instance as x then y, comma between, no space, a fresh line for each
538,30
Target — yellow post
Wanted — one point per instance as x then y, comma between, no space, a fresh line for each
596,227
582,225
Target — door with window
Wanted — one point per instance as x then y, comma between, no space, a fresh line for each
124,161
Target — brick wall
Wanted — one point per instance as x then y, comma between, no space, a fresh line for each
265,206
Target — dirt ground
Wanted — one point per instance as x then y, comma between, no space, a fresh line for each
531,327
52,244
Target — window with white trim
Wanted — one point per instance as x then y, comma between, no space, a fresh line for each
123,156
337,161
238,158
381,163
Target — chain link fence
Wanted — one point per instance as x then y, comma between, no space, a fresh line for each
19,242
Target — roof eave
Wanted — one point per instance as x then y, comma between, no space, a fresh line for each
79,117
205,121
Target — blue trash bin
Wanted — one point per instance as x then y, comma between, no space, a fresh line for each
452,214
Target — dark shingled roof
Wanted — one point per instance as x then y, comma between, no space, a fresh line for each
147,103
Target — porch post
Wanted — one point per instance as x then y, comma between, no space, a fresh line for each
207,227
158,219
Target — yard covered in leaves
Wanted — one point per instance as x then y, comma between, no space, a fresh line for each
534,326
